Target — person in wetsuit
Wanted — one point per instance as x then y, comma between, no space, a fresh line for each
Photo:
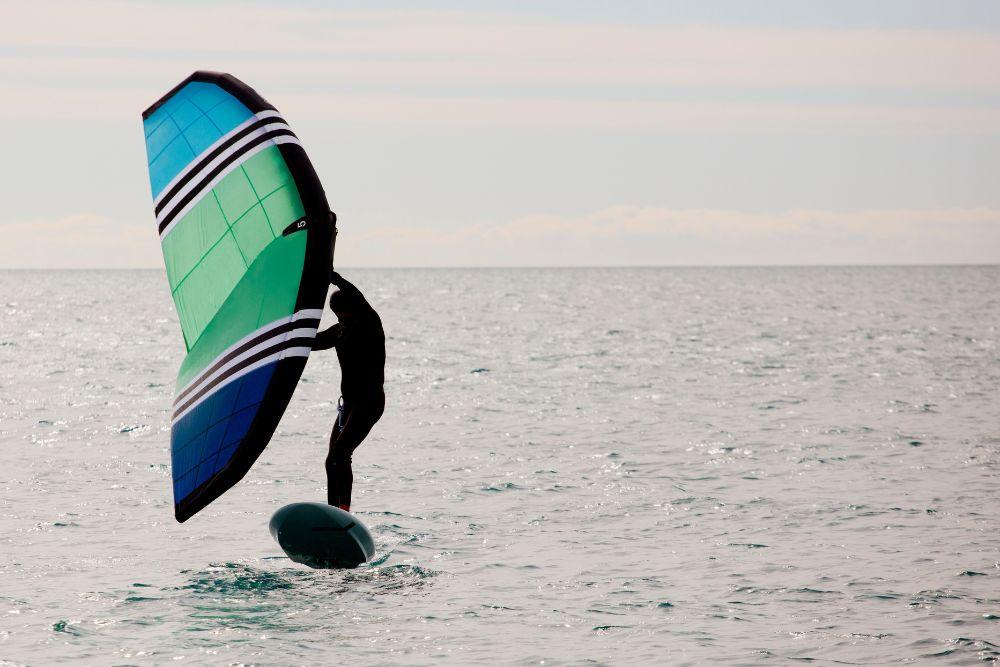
360,343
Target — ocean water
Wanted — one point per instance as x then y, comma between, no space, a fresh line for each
600,466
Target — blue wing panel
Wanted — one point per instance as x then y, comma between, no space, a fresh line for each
204,440
194,118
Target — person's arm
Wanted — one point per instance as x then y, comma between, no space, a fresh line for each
341,283
327,339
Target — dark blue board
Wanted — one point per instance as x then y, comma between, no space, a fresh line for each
321,536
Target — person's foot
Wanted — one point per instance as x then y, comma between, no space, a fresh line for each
346,508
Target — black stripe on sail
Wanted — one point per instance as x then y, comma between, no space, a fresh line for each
274,349
203,183
219,150
257,340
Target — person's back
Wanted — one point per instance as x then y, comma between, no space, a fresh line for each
361,351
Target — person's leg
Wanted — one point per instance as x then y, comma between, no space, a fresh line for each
332,488
343,442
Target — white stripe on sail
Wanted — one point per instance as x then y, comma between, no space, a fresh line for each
290,352
218,142
242,341
303,332
305,313
225,172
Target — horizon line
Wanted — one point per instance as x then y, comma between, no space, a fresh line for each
512,267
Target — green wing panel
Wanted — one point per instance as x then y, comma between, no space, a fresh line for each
260,298
215,243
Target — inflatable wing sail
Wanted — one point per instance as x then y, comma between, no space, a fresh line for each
247,242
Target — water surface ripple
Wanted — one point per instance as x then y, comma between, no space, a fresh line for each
598,465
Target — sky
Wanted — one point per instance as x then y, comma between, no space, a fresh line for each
543,133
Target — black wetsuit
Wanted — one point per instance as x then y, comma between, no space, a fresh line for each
360,344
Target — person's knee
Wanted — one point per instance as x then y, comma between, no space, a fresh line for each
338,456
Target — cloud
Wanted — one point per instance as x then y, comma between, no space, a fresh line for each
616,236
83,240
111,59
511,47
398,111
633,235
